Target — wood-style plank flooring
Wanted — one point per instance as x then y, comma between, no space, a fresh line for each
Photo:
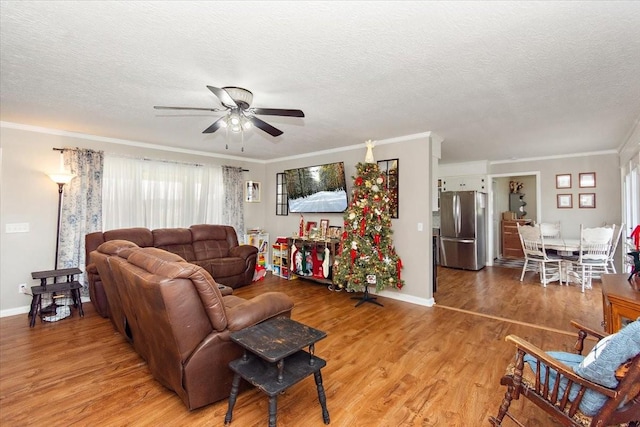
397,365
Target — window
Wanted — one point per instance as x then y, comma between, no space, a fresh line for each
159,194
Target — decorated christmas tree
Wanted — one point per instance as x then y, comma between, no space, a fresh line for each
368,257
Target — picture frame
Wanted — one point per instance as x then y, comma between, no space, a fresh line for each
252,192
564,201
587,200
324,228
335,232
587,180
309,226
390,169
563,180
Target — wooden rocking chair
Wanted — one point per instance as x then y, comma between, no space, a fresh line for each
559,391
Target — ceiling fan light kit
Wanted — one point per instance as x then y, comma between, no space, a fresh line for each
240,116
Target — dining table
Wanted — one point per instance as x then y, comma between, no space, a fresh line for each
565,248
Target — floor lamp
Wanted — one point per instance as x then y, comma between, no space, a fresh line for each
60,178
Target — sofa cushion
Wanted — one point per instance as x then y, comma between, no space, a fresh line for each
175,240
139,235
122,248
211,241
171,266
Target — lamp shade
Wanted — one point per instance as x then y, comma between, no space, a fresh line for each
61,177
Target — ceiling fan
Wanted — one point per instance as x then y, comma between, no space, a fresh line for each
240,115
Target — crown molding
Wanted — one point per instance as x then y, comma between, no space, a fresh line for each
58,132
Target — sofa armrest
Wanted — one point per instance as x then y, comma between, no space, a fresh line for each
92,269
243,251
244,313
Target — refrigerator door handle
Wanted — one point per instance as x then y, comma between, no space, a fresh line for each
457,214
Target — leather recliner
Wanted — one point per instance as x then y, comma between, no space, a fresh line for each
213,247
176,318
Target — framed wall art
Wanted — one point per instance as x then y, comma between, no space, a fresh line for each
587,200
282,200
324,228
565,201
391,171
563,180
252,192
587,180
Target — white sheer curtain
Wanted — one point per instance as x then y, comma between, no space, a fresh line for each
159,194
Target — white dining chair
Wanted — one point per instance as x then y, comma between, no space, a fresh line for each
617,234
536,257
550,229
593,255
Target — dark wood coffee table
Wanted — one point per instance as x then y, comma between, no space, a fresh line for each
274,360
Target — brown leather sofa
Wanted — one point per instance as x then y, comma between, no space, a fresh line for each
175,317
213,247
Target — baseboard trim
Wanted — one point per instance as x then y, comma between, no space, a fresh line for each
25,309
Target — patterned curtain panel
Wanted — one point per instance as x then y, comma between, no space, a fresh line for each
81,207
233,213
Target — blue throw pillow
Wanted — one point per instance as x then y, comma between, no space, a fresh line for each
608,354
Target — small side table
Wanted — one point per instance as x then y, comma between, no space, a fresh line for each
70,285
274,360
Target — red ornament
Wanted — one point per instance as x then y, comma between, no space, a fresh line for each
358,181
399,267
365,210
376,239
362,226
353,256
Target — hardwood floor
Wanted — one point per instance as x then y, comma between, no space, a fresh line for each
397,365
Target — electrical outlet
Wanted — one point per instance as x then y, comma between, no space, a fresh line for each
22,288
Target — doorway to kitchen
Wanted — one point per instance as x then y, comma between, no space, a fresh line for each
502,186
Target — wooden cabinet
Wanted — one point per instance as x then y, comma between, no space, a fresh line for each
312,259
464,183
511,246
620,301
280,258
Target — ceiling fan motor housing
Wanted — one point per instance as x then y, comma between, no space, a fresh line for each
241,96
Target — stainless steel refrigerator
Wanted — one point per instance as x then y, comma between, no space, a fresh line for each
463,229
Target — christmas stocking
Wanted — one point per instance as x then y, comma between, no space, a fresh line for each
317,263
292,261
325,264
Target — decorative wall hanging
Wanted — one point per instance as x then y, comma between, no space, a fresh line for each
587,200
282,198
563,181
391,171
252,192
587,180
565,201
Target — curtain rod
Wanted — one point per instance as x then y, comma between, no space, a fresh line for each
144,158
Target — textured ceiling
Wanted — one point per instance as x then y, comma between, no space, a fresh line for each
496,80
